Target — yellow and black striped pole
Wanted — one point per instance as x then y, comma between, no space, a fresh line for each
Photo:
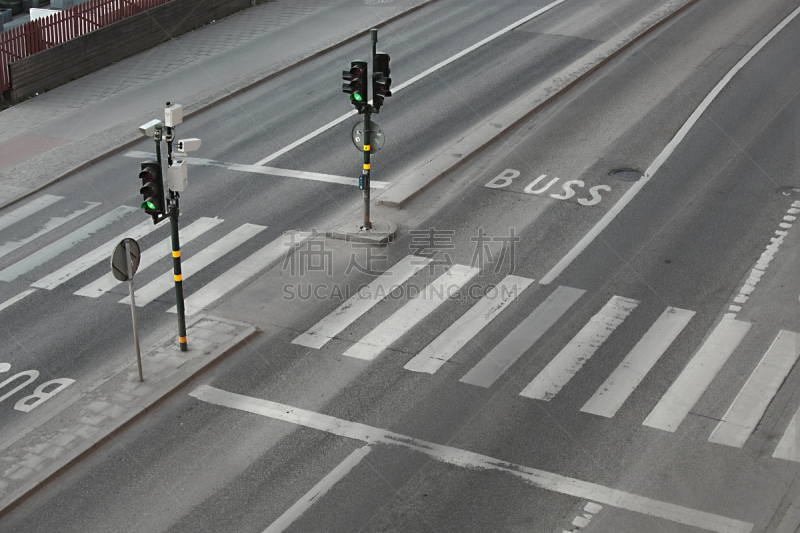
176,269
367,110
174,213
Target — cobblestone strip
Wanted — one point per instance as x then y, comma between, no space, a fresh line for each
49,167
47,451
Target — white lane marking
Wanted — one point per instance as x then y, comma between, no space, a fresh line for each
318,491
55,222
525,335
639,361
698,374
272,171
416,78
665,153
454,456
28,209
47,253
446,345
85,262
15,299
150,256
361,302
263,259
572,357
787,447
752,401
408,316
195,264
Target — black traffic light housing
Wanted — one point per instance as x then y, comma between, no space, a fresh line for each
152,190
381,82
356,85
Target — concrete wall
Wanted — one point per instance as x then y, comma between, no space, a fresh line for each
78,57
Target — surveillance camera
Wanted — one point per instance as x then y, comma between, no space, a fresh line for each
150,128
173,115
188,145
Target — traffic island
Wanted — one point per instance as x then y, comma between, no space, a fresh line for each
382,232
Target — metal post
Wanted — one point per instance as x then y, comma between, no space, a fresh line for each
367,114
368,109
133,307
373,33
173,203
174,212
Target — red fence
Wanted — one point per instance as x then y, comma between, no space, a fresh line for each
44,33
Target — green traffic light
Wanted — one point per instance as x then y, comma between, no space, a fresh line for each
148,205
356,97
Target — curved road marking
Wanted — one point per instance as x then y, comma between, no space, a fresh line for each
655,165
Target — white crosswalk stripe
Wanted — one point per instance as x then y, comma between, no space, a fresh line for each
522,338
698,374
572,357
51,251
627,376
787,446
364,300
263,259
28,209
412,313
11,301
752,401
150,256
194,264
87,261
460,332
54,223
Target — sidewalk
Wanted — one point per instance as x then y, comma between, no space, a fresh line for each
64,130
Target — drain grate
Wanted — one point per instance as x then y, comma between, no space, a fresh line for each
791,192
626,174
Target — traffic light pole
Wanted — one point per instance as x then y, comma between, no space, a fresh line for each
367,114
367,117
174,213
173,209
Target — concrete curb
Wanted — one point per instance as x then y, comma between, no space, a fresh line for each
523,108
52,166
161,391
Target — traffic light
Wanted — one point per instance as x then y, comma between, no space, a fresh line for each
356,85
381,82
152,190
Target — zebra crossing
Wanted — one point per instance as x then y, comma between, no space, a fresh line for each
21,254
670,411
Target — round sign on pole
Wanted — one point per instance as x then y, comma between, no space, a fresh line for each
376,138
119,259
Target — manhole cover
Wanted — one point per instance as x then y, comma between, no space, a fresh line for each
791,192
626,174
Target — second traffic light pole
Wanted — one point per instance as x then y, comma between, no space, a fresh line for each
367,116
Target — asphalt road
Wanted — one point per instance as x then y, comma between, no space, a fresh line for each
689,240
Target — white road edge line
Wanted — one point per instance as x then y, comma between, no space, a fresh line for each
272,171
454,456
318,491
415,79
656,164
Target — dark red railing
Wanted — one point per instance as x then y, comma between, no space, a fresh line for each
44,33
